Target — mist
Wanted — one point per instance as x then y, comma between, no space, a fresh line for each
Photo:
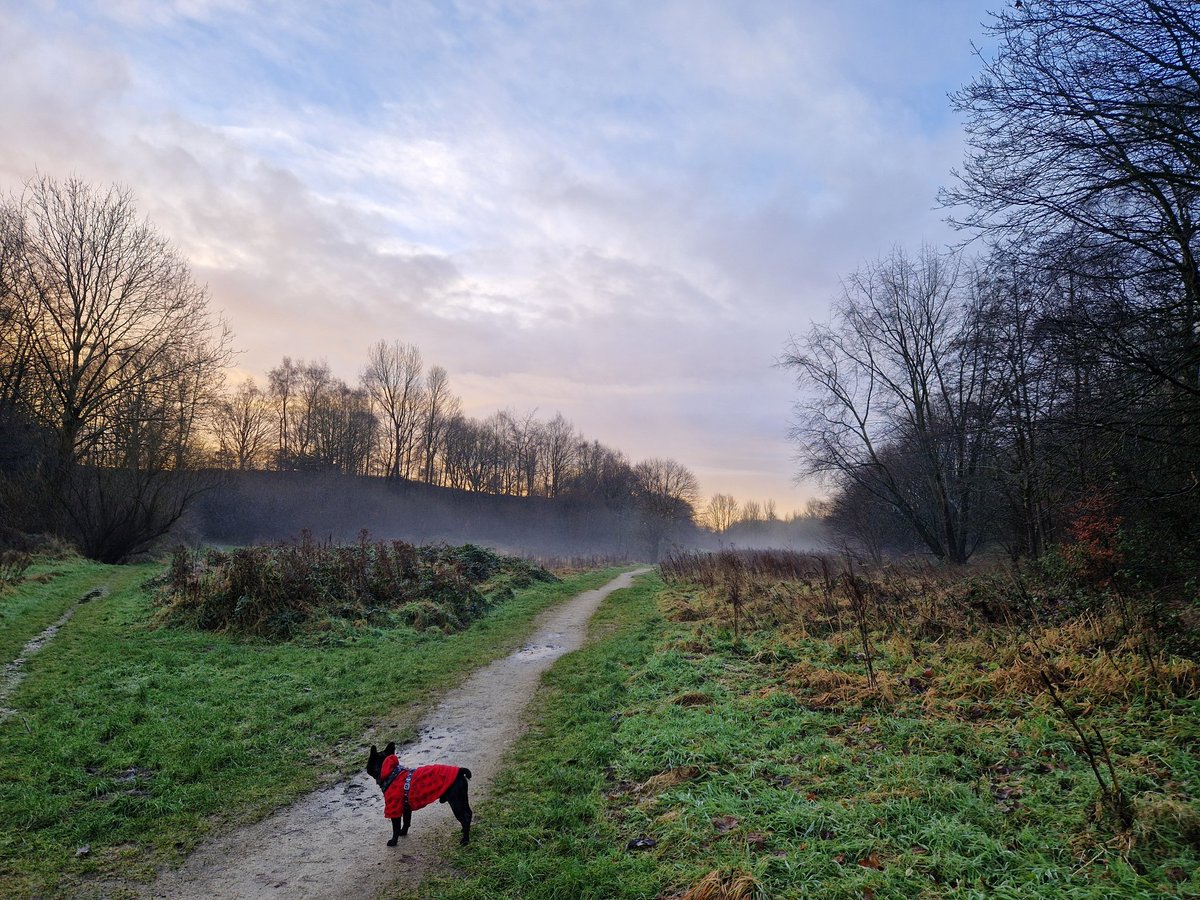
265,507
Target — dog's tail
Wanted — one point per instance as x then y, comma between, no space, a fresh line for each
466,773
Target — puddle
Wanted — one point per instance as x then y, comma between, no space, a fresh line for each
547,651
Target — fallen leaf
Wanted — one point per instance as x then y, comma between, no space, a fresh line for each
871,862
724,824
840,858
757,840
641,844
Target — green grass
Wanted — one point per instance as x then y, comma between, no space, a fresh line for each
47,591
137,740
920,795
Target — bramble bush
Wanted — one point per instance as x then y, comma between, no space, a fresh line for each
278,591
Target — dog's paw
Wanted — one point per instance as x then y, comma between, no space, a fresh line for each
392,842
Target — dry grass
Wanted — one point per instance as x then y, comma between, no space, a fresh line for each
718,885
693,698
657,783
821,688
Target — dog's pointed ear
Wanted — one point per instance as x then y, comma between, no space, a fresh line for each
390,748
374,752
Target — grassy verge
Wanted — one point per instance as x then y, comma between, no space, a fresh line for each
771,767
134,741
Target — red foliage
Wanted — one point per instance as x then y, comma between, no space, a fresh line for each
1095,554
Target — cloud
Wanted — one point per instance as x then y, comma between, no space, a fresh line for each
612,209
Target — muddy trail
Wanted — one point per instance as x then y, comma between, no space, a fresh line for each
331,843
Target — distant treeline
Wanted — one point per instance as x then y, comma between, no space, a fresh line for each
402,421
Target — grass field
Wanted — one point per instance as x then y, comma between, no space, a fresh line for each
769,766
133,741
683,753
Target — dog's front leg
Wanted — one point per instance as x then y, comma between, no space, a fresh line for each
397,831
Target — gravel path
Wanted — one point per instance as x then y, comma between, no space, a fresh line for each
331,843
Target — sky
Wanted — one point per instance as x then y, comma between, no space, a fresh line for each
615,210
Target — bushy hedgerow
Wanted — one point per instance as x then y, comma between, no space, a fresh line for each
278,591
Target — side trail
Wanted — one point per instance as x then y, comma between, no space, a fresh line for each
330,844
14,672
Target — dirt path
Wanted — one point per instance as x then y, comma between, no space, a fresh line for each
332,842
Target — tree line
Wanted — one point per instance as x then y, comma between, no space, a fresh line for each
114,411
1045,375
403,422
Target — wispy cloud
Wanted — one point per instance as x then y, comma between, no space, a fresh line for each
618,210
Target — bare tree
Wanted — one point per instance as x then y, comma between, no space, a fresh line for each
242,427
343,430
666,493
314,384
438,408
900,371
106,304
282,384
111,352
525,442
602,474
751,512
1083,165
721,512
769,511
1085,126
392,378
558,454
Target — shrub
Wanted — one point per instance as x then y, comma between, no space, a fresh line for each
13,564
278,591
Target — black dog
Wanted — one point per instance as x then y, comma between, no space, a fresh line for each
407,789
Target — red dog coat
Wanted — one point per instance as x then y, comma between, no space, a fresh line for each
426,784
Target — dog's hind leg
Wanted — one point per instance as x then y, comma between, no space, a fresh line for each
460,806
